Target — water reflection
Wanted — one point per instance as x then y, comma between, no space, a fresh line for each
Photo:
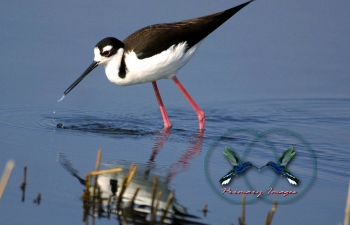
139,205
143,202
182,163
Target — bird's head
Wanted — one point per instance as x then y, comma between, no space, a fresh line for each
104,52
106,49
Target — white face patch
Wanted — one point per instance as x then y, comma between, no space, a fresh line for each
97,57
107,48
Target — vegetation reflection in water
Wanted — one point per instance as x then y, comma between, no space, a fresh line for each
131,195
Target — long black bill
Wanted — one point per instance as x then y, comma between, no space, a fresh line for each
93,65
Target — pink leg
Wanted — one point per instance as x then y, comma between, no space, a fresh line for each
200,113
167,124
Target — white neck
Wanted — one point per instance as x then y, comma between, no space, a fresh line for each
112,66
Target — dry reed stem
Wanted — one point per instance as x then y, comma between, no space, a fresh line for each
243,208
97,168
155,208
131,174
205,210
347,209
134,196
169,201
271,213
6,175
154,189
114,170
126,182
241,219
98,160
160,193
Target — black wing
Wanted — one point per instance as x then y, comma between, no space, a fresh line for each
154,39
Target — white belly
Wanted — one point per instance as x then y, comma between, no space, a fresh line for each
163,65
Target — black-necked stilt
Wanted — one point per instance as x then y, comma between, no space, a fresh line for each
238,166
156,52
280,166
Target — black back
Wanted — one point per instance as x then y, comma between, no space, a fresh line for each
154,39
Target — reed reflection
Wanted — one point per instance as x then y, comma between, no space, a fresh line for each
136,195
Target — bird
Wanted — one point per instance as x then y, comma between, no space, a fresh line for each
280,166
238,166
156,52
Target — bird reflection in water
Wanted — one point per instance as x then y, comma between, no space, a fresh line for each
147,199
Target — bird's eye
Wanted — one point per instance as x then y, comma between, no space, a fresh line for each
105,53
